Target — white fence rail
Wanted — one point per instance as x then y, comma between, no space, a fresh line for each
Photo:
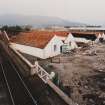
40,72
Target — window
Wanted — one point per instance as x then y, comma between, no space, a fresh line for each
55,47
70,43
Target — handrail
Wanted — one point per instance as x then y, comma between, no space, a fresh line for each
42,73
36,68
20,56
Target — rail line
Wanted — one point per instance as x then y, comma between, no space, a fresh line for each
7,84
19,93
5,94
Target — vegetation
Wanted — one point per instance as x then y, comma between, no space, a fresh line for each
14,30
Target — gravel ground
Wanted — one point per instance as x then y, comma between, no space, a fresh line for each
81,72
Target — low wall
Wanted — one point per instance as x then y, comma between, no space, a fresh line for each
26,68
23,65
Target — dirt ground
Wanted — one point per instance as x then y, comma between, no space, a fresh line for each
82,74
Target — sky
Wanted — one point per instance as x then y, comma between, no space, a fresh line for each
86,11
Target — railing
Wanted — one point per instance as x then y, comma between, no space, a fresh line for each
4,37
41,72
36,68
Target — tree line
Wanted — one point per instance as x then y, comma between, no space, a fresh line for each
14,30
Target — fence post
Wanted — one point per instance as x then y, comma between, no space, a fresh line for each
34,69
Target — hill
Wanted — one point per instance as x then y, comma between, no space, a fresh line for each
36,21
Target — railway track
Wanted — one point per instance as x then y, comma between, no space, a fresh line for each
18,91
6,82
4,93
25,91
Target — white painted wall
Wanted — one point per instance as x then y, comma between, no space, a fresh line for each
49,49
103,36
71,39
100,36
61,38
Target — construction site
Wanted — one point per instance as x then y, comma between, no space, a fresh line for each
79,73
82,74
76,77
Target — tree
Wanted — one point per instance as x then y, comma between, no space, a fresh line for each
28,28
12,30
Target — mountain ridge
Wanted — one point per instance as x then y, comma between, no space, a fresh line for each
36,21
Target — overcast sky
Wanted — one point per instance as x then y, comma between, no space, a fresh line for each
88,11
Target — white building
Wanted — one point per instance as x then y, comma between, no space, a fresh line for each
45,44
39,44
75,40
68,40
103,36
100,37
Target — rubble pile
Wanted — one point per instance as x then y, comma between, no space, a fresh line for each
88,90
83,77
81,73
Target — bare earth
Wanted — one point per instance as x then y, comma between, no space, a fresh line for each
82,74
